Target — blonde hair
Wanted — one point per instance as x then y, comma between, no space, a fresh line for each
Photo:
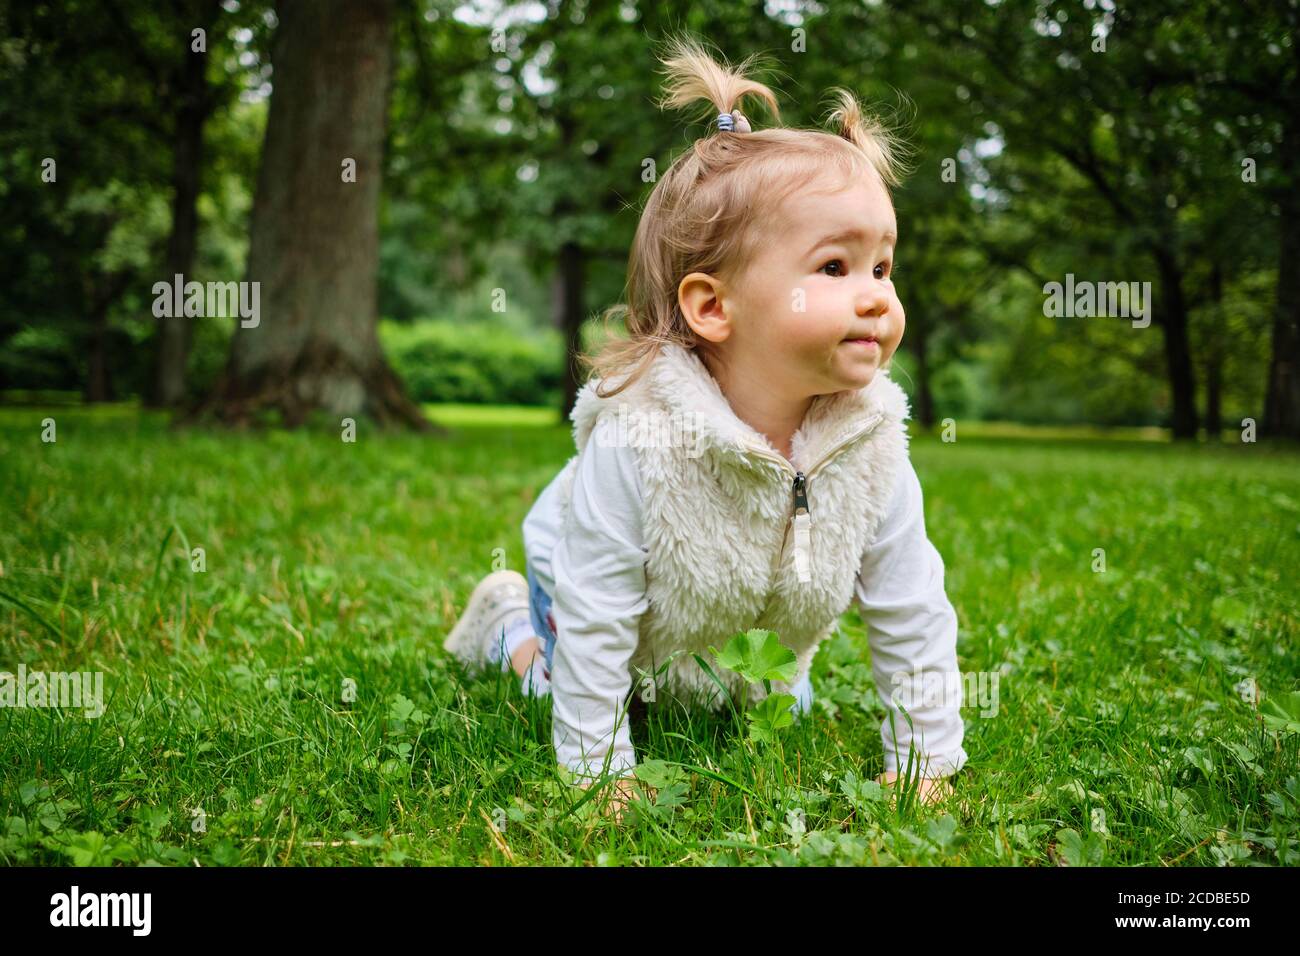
701,215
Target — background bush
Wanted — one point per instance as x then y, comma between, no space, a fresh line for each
444,361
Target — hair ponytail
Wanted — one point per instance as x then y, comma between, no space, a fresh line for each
695,75
886,152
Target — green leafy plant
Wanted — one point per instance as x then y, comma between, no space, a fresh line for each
1281,713
671,785
862,794
769,716
758,655
93,849
1080,849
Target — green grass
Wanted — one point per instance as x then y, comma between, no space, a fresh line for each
456,415
328,561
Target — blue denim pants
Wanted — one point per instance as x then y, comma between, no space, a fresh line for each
539,607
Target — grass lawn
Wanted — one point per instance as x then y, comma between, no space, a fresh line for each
1123,732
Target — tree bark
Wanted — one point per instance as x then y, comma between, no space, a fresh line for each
314,246
1282,401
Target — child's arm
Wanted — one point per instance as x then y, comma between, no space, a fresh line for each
600,595
911,626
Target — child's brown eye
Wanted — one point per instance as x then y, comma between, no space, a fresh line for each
834,262
879,271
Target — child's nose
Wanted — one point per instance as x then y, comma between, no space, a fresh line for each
873,300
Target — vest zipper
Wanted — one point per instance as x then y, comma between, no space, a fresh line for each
802,529
802,518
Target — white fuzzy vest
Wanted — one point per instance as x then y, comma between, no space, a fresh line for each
727,551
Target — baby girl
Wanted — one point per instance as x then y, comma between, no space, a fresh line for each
761,318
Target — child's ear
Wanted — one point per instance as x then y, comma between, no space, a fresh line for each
699,296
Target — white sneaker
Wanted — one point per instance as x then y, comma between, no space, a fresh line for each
497,600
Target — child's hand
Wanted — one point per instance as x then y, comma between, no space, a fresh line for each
625,789
928,789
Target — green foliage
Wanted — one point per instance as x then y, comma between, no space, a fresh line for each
758,655
1281,712
863,794
770,715
82,252
1077,849
442,361
1120,164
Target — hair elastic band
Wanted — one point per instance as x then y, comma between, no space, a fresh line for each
733,122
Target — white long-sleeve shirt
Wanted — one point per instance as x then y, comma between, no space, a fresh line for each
594,569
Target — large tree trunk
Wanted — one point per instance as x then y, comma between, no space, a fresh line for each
314,245
175,332
1282,401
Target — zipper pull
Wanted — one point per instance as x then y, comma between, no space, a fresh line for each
802,529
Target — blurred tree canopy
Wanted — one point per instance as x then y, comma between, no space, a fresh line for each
1153,143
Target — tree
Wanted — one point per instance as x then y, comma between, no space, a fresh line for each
314,240
79,168
1118,123
1261,80
168,48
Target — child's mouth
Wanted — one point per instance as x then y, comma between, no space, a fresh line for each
869,342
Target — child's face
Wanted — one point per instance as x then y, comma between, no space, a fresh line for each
804,298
